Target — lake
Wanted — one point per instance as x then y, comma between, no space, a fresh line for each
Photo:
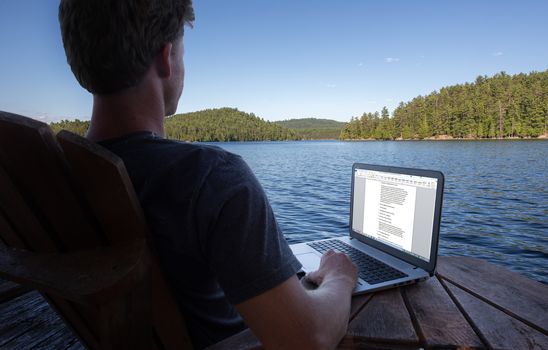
495,201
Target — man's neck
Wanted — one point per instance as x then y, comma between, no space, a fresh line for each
124,113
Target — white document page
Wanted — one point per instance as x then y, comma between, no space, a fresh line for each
389,212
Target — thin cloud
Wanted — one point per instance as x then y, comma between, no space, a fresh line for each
497,54
43,117
391,59
360,64
331,86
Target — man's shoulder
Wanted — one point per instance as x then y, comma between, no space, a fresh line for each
206,159
149,158
147,147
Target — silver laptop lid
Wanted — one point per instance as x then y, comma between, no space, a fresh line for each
398,211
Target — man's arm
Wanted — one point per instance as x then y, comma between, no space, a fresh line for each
289,316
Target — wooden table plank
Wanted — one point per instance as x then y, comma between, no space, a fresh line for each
439,321
357,303
518,296
497,328
384,319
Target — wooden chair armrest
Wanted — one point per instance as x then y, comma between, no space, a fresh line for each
91,277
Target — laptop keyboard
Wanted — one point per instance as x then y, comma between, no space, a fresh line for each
371,270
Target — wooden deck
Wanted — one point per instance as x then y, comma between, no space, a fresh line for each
28,322
469,304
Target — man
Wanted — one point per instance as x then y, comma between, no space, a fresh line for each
212,227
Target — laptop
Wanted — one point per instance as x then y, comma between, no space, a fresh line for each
394,227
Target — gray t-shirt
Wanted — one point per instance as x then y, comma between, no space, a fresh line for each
212,226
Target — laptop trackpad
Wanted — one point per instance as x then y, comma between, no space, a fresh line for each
310,261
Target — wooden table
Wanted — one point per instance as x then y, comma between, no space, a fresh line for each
470,303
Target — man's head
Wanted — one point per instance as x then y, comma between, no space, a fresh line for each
110,44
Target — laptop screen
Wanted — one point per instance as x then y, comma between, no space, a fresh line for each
395,209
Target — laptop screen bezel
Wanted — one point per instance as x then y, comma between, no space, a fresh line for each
429,266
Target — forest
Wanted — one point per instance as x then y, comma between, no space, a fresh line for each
502,106
225,124
314,128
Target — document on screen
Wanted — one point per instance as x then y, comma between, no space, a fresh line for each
389,212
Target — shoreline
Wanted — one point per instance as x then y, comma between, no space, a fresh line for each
451,138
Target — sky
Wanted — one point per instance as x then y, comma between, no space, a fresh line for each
287,59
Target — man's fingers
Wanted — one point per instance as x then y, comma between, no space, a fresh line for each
314,277
332,262
329,252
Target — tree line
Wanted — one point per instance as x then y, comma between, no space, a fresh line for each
502,106
223,124
314,128
76,126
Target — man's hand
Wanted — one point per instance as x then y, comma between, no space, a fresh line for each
334,266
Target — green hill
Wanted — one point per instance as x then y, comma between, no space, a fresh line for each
77,126
223,124
313,128
502,106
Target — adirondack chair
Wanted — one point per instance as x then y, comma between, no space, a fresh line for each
72,228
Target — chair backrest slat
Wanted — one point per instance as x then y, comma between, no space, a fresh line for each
8,237
34,163
102,175
25,230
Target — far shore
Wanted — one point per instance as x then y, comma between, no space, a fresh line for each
451,138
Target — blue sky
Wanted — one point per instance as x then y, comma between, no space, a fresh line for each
293,58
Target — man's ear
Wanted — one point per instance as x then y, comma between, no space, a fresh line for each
163,61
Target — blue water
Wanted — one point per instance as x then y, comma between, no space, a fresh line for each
495,201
